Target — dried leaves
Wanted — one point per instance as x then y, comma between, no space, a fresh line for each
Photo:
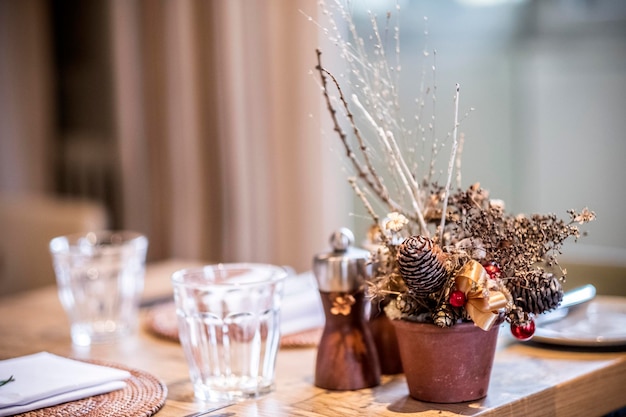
524,248
520,244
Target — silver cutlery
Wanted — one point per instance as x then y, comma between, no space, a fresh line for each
571,299
208,410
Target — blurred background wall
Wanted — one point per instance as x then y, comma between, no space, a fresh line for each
200,123
547,84
197,123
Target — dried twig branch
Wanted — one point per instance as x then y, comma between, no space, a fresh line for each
458,160
367,173
361,195
399,164
455,145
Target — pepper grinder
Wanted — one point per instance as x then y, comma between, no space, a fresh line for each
346,357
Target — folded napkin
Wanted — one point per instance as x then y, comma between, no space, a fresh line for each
43,380
301,307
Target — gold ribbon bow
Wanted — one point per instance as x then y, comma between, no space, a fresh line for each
483,298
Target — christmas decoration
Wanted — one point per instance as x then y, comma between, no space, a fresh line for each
537,292
493,270
523,331
457,299
450,264
421,265
447,253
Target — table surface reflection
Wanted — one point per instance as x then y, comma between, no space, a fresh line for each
527,380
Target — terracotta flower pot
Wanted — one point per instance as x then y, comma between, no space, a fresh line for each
446,365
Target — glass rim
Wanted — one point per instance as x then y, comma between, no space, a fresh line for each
278,273
96,238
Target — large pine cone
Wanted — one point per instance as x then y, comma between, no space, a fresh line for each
537,293
421,265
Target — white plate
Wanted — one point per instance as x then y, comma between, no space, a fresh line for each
600,322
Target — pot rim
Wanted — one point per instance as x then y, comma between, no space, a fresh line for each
465,326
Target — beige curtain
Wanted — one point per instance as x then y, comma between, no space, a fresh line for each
219,123
26,105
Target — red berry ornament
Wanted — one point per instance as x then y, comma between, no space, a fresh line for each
493,270
525,331
457,298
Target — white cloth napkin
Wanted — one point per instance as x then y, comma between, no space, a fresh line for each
301,308
43,380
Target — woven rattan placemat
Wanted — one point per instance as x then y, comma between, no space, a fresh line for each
143,396
161,320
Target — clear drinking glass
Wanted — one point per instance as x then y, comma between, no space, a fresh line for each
100,278
229,327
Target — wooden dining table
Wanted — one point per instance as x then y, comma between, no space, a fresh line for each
527,379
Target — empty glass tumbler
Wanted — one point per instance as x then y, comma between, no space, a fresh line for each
100,278
229,327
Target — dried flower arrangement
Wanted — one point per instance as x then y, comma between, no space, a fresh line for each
443,255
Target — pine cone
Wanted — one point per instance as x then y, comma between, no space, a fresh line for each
517,316
538,293
445,316
407,305
421,265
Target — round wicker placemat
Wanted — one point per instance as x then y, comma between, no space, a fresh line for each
143,396
161,320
